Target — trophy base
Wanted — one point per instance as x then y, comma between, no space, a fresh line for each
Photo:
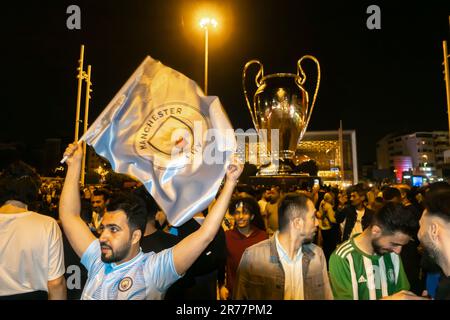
285,182
272,169
283,168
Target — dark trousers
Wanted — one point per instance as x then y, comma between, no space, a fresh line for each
205,288
35,295
330,240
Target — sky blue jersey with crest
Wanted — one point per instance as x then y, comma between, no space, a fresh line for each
145,277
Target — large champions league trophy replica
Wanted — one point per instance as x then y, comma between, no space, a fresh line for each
280,109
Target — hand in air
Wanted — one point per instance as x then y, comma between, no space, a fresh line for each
74,153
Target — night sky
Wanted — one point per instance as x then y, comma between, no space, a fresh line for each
375,81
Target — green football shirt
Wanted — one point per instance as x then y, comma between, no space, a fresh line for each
359,276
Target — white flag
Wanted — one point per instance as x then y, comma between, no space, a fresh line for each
162,130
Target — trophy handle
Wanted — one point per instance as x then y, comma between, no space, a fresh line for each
301,74
258,81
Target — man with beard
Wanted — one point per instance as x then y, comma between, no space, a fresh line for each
117,267
98,202
357,216
368,266
288,266
434,235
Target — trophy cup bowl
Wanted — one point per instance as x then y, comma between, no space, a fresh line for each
280,111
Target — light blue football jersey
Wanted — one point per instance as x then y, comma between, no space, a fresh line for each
145,277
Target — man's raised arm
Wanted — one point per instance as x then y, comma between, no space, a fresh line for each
188,250
78,233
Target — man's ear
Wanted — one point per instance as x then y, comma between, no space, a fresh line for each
433,231
298,222
136,236
376,231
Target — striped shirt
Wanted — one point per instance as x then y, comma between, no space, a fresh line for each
359,276
145,277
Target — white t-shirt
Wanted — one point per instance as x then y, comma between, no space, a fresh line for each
31,252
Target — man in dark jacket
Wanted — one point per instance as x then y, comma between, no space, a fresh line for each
356,217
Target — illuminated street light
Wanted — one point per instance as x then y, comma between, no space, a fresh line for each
206,23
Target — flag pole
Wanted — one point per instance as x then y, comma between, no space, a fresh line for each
80,85
206,60
86,116
106,111
447,77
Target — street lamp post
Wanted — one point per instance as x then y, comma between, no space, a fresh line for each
447,79
205,23
447,76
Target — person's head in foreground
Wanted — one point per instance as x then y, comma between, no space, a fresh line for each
297,215
20,183
122,227
434,232
392,227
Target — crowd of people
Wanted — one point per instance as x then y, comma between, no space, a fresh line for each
61,241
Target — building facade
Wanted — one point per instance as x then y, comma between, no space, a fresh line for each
419,153
337,161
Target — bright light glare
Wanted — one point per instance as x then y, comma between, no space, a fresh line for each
207,22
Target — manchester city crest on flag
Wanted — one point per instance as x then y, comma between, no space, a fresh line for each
172,135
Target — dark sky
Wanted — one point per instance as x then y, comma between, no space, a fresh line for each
376,81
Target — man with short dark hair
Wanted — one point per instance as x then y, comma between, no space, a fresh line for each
392,195
31,247
368,266
153,239
98,201
355,217
288,266
117,268
434,235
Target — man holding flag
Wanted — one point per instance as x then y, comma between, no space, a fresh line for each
117,268
161,129
157,129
